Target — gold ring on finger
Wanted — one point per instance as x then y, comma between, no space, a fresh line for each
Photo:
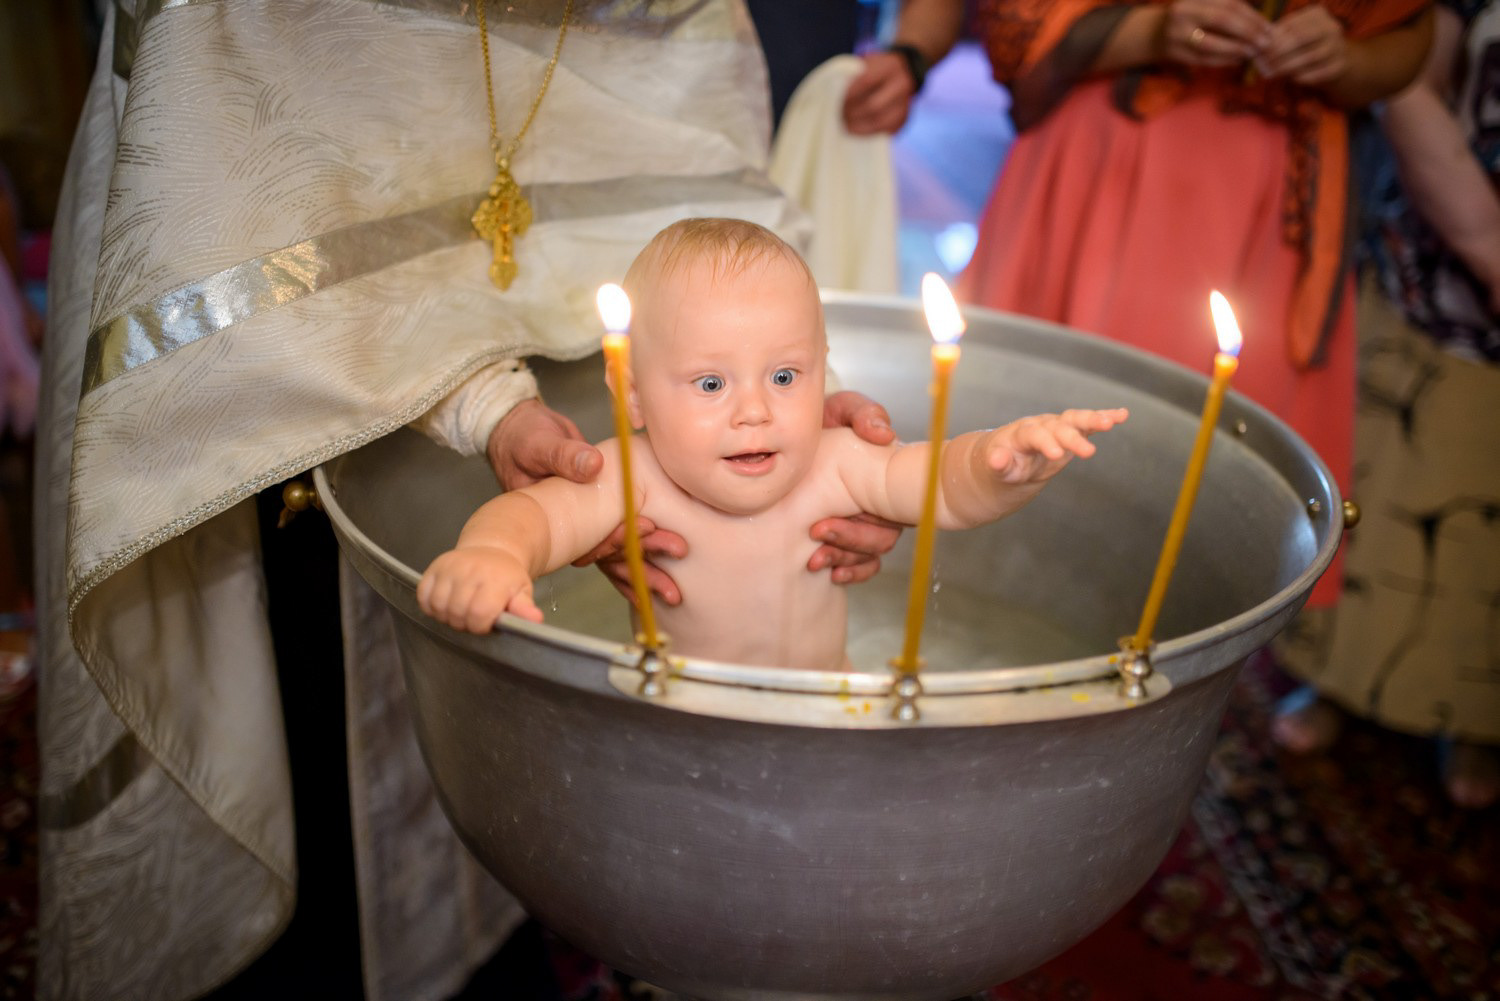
1197,37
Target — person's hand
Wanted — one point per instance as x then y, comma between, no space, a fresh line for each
469,588
868,419
853,546
533,442
1034,449
609,556
879,99
1307,47
1213,33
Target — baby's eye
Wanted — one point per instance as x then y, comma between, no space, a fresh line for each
784,376
709,383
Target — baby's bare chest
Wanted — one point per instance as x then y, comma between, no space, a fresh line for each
747,593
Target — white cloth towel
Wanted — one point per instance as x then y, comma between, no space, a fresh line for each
844,182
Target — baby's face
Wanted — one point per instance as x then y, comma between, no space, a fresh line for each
729,381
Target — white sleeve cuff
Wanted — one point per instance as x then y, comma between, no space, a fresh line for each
831,382
464,418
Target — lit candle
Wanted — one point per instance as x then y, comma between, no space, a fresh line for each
614,310
947,325
1225,362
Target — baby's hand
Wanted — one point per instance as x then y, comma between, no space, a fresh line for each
469,588
1035,449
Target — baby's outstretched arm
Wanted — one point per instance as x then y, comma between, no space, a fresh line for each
513,539
985,475
990,474
491,568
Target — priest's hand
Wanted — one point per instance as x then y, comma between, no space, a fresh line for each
533,442
656,544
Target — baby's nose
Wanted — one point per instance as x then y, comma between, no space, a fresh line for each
751,408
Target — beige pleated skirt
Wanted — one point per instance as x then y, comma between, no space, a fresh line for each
1414,644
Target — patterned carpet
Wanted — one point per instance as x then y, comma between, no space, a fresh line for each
1345,877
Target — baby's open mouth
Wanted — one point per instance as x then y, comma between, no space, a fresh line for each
750,458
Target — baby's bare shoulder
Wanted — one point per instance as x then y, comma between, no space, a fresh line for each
847,466
643,463
840,443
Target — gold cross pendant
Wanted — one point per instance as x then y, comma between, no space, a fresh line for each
500,218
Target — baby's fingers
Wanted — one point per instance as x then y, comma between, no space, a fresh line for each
432,593
1069,437
1090,421
466,606
522,604
446,597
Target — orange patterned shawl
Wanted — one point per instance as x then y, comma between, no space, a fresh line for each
1040,48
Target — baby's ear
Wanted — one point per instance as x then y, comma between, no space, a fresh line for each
632,402
633,408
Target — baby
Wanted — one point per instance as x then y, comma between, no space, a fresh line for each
726,383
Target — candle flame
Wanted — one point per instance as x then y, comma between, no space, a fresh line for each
1227,327
943,317
614,308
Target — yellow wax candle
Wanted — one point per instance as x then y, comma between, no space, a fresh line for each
947,325
614,309
1225,362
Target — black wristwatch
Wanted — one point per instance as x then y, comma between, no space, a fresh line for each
916,63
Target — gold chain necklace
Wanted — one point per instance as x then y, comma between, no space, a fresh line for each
506,213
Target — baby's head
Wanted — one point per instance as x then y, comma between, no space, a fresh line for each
727,361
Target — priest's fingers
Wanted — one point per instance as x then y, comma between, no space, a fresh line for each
609,557
534,441
654,542
857,573
853,555
867,418
617,571
851,541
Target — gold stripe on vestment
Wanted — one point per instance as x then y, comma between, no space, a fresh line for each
153,330
192,312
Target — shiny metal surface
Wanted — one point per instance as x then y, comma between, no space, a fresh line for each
769,835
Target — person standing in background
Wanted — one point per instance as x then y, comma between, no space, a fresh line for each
1165,149
798,37
1412,643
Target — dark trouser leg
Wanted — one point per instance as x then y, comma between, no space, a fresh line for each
318,954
